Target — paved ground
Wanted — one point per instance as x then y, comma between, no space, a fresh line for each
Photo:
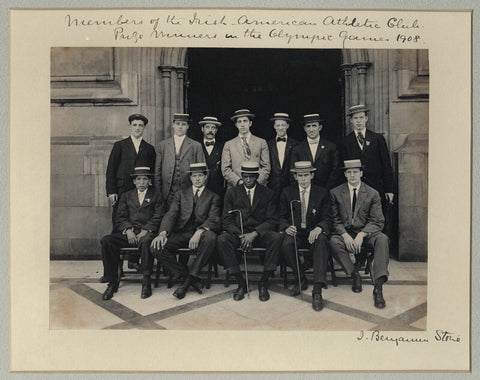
76,303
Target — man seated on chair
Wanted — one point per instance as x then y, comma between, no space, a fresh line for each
358,220
249,218
138,217
310,205
191,221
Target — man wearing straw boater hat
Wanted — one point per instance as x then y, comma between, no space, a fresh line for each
212,148
138,217
174,157
358,220
371,148
125,156
249,219
280,149
309,206
192,220
244,147
322,153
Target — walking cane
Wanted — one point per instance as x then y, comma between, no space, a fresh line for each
243,252
295,243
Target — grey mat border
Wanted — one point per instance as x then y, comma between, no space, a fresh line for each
368,4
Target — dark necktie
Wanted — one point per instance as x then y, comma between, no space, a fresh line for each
281,139
246,148
209,143
249,195
195,198
354,201
361,139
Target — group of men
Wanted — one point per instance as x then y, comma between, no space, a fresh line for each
218,199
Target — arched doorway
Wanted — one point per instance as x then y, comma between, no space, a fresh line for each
296,81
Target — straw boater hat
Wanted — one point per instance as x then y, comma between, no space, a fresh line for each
142,170
352,164
302,167
181,117
281,116
200,167
358,108
210,120
137,116
250,167
312,118
242,113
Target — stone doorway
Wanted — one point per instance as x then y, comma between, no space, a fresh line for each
296,81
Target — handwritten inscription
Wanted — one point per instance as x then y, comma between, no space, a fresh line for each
348,30
378,336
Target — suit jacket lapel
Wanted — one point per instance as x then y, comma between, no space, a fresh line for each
354,144
276,156
362,195
148,195
131,147
171,147
368,140
306,148
346,201
186,145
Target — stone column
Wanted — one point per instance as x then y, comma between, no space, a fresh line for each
347,91
166,73
362,81
181,71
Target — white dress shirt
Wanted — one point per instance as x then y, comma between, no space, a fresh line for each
209,148
363,133
141,195
313,145
136,143
350,188
178,142
200,190
252,193
281,146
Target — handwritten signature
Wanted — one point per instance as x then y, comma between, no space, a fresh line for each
378,336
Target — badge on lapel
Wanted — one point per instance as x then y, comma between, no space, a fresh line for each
367,142
314,211
147,200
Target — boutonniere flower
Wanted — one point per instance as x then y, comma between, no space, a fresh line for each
314,211
323,146
367,142
147,199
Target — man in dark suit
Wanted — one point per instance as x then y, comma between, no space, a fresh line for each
244,147
358,219
257,209
138,217
310,227
322,153
371,149
174,157
192,220
212,148
125,156
280,149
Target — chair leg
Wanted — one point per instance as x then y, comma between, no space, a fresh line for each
209,276
284,272
332,271
227,279
156,283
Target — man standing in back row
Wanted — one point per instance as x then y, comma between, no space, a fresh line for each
320,152
174,157
280,149
371,148
244,147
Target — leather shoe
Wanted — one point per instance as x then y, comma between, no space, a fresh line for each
181,291
295,291
111,288
239,294
317,301
198,285
146,290
263,294
378,300
357,282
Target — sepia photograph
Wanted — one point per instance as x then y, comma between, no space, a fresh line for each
364,109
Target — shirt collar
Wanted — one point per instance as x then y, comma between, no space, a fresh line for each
313,140
307,190
363,132
252,189
134,139
200,190
350,187
247,136
205,140
179,138
142,192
